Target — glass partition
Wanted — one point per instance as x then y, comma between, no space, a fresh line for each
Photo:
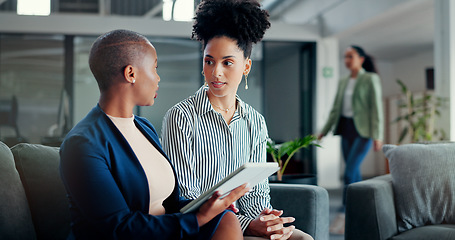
179,67
31,84
34,70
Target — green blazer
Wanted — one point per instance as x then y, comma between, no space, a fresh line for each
366,105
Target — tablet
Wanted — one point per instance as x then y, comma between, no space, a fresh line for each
251,173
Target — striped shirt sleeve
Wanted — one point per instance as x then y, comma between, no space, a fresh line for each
251,205
176,140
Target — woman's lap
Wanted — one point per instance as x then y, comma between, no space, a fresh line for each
297,235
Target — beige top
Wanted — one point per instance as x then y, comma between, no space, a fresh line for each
157,169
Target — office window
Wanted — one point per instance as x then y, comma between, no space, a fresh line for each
33,78
31,83
179,67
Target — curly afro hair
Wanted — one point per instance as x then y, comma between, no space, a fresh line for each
241,20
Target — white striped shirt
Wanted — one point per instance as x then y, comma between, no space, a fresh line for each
205,149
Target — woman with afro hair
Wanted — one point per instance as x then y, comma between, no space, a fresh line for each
213,132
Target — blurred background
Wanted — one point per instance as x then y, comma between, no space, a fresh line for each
46,86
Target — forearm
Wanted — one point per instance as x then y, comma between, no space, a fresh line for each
252,204
244,222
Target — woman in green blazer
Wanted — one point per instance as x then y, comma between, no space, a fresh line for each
357,116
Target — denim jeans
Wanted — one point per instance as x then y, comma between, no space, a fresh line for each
355,148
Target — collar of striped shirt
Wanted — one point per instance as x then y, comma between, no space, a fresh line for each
203,103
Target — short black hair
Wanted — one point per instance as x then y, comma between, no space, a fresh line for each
112,52
241,20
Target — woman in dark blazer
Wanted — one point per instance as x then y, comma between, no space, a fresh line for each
357,116
108,177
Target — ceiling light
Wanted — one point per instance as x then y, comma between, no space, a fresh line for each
34,7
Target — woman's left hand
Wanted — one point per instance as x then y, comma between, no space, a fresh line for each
377,145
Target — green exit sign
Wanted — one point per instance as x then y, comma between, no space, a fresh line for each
327,72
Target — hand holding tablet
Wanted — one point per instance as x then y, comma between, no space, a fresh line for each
250,173
215,205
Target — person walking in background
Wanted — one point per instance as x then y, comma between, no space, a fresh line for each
357,116
112,164
212,133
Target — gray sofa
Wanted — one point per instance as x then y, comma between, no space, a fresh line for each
371,214
33,202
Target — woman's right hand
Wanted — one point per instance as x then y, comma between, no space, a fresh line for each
215,205
269,224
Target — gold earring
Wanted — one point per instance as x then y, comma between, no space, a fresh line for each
246,81
205,80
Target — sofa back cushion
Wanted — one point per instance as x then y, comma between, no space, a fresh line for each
15,219
38,167
423,179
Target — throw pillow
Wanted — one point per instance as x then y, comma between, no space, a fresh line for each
38,167
423,182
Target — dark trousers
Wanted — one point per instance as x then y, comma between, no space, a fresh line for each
354,148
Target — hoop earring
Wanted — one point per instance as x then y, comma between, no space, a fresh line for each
246,81
205,80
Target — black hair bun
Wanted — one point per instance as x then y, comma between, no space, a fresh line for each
242,20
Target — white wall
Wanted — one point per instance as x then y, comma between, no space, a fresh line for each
411,71
329,156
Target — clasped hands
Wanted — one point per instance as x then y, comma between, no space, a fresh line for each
269,224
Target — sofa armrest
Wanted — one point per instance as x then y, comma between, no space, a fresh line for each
309,205
15,217
370,209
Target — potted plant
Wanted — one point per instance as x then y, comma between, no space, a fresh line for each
288,149
419,114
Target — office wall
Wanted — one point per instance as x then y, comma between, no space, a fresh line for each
410,70
329,155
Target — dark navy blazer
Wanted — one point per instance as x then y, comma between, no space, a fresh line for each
108,189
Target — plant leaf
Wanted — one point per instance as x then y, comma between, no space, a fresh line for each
289,148
404,89
403,134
